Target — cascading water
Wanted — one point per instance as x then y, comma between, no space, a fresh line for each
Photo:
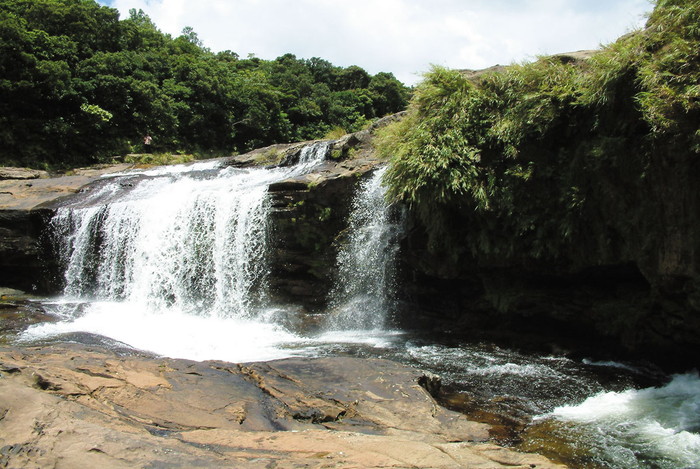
647,428
174,260
173,245
365,287
196,245
193,241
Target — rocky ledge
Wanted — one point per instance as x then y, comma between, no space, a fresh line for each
309,213
79,406
24,196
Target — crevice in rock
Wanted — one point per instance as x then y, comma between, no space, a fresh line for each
44,384
95,373
9,369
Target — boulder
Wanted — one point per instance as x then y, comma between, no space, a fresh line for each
21,173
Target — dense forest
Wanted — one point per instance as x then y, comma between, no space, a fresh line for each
78,85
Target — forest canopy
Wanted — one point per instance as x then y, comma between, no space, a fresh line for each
79,85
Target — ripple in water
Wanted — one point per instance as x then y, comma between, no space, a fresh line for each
651,428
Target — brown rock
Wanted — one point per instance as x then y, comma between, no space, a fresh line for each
76,406
21,173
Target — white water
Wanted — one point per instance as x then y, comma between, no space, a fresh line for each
364,293
193,245
170,170
171,332
174,261
648,428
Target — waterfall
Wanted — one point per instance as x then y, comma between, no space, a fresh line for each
176,261
192,240
364,293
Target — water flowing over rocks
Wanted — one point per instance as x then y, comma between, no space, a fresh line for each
80,406
25,208
641,298
308,213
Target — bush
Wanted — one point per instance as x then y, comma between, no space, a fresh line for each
519,158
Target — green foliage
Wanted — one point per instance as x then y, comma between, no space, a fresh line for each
78,86
521,158
324,214
335,133
669,73
97,112
157,159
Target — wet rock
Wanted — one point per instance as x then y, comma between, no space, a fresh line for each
561,441
309,216
82,406
18,314
272,155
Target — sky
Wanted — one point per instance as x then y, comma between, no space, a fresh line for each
403,37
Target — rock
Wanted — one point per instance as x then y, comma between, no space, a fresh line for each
17,312
309,212
21,250
272,155
77,406
11,292
20,195
577,57
22,173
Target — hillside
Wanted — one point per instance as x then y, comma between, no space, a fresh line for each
79,86
563,189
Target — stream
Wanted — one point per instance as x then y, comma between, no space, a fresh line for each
174,261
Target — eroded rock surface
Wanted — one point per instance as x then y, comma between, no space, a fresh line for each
77,406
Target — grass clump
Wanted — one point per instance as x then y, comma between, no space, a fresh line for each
519,158
335,133
158,159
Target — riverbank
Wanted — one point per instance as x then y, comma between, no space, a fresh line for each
84,406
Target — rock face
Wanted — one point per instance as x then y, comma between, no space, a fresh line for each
21,250
75,406
309,215
309,212
640,299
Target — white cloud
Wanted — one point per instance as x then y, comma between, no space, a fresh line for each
399,36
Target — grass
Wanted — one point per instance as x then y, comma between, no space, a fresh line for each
519,156
158,159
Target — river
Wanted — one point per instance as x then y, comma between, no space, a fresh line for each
175,261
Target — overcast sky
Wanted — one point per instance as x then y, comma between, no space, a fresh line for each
399,36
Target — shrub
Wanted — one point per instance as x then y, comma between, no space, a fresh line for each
519,158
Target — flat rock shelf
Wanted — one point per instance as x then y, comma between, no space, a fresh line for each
69,405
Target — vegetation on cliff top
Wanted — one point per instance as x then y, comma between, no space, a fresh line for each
525,157
78,86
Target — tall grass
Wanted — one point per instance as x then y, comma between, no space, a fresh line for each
520,154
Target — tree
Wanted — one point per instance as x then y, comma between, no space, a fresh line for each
78,86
